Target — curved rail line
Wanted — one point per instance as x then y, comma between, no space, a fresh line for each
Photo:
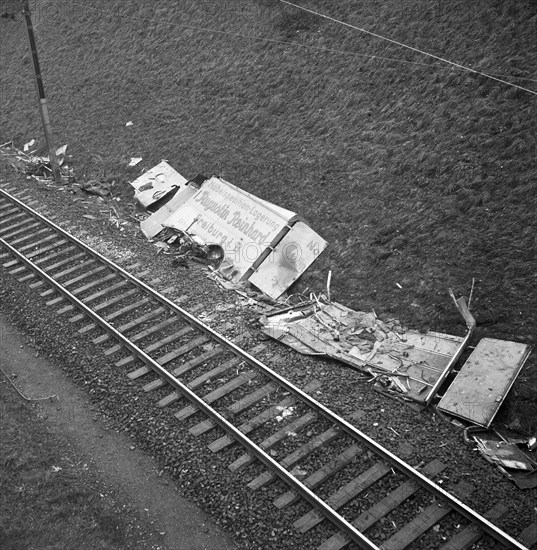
48,256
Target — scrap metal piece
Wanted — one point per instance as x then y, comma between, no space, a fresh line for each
484,380
510,459
504,453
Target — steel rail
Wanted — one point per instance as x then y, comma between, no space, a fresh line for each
405,468
309,495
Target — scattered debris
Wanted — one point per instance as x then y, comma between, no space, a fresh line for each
27,146
134,161
285,412
182,246
484,380
260,241
94,187
506,454
403,362
299,473
35,166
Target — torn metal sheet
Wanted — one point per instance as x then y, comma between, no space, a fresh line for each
156,183
510,459
297,250
504,453
484,380
405,358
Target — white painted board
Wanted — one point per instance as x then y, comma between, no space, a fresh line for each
154,224
244,225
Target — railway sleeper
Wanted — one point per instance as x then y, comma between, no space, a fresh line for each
46,259
106,304
101,294
322,474
292,459
118,313
174,396
425,520
143,334
58,254
283,433
213,396
369,517
14,214
247,401
35,253
261,418
136,322
19,230
185,367
62,263
471,533
529,535
69,270
168,340
28,237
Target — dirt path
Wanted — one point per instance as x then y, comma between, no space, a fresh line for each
126,472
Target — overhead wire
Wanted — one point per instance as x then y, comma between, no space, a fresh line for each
412,48
170,24
321,48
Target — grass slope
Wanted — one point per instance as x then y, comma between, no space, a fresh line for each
416,172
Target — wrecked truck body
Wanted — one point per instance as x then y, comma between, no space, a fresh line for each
406,362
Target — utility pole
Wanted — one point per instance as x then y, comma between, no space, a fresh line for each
43,108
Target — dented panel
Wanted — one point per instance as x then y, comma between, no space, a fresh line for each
484,380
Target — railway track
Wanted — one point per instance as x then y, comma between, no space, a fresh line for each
208,381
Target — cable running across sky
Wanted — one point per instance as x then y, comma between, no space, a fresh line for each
458,65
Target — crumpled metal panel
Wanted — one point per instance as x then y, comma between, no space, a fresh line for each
409,362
